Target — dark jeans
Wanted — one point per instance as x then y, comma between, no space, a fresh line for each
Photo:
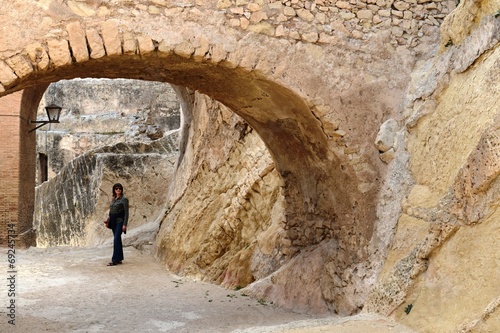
117,243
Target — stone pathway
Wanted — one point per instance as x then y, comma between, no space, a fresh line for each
66,289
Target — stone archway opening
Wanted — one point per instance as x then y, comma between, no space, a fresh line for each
322,202
289,129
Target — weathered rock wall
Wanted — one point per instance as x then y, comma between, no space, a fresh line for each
226,221
417,201
441,274
227,204
301,96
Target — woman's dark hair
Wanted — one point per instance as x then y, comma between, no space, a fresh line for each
117,185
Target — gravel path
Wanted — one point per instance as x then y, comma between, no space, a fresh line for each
63,290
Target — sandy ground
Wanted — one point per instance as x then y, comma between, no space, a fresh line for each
66,290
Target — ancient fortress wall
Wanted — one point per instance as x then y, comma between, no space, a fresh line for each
287,84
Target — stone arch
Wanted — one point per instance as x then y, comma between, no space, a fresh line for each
320,196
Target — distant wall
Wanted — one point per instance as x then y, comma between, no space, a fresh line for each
100,112
70,208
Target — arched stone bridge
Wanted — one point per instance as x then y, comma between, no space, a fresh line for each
314,79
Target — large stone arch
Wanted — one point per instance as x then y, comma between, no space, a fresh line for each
319,191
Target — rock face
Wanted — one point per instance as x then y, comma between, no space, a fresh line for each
447,201
229,235
442,260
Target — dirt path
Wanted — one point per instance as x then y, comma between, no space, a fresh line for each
64,290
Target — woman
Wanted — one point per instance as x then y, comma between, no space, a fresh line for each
118,219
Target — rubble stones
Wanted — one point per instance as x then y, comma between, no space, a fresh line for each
360,17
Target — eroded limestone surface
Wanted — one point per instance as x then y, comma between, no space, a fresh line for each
443,259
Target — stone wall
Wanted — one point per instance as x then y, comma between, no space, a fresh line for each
70,209
327,21
300,97
239,204
110,131
226,221
100,112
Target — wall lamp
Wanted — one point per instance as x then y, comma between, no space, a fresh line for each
53,112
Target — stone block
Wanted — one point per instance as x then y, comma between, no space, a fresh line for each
77,41
111,37
276,6
346,16
59,52
184,49
401,5
129,43
165,48
217,53
232,60
289,11
365,14
21,65
244,23
249,60
305,15
223,4
7,75
343,5
310,37
258,16
38,55
280,31
95,43
145,44
202,49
